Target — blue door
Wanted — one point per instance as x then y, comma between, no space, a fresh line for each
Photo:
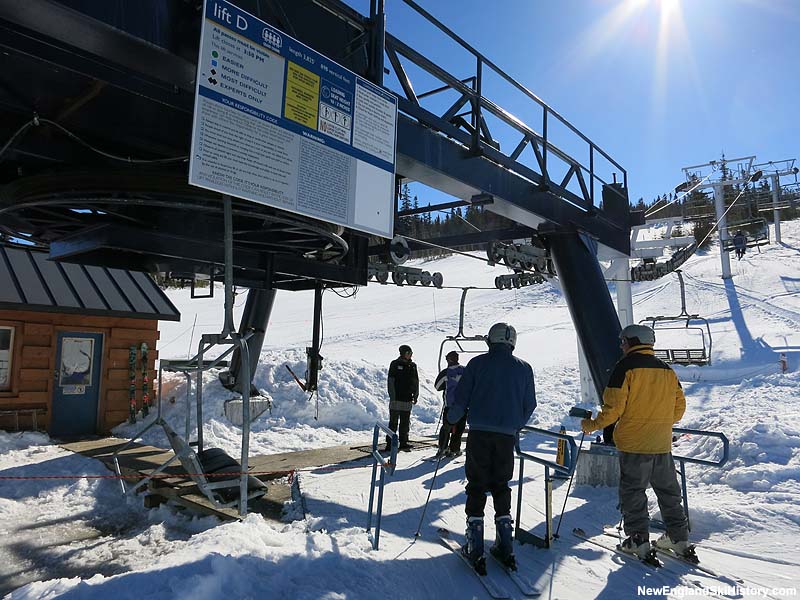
76,390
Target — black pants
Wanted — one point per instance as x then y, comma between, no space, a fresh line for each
455,436
404,418
489,468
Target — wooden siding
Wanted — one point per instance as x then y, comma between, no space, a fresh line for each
33,366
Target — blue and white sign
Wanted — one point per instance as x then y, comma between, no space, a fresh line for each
279,124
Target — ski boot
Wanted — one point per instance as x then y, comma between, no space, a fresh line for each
503,549
637,544
473,549
682,549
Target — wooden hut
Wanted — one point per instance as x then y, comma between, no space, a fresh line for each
67,336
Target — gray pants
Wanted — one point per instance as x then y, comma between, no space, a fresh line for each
658,470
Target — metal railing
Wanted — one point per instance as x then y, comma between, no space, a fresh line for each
473,97
386,466
473,92
682,460
570,461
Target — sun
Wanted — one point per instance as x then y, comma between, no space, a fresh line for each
669,9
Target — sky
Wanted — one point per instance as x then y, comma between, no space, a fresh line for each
658,84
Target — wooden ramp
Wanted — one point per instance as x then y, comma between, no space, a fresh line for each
139,459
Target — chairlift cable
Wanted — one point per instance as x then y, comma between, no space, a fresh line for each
455,214
713,227
484,260
686,193
432,245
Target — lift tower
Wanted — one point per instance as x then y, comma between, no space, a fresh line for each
718,175
775,170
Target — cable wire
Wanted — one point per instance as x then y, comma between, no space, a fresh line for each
686,193
37,121
713,227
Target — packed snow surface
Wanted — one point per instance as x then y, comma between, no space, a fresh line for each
80,538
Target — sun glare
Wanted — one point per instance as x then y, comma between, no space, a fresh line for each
647,28
669,6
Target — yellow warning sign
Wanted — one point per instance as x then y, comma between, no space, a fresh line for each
302,96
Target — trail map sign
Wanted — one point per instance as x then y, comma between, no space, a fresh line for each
279,124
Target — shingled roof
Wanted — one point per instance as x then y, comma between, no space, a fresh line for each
28,281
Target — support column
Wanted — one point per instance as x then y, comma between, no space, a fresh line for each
589,302
622,269
776,214
256,315
589,395
722,227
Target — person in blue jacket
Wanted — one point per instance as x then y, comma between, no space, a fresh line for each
498,395
447,382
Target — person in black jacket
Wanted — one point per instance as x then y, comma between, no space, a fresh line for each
740,244
403,384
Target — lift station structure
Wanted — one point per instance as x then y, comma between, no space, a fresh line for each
96,117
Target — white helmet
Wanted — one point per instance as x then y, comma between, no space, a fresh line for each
642,333
502,333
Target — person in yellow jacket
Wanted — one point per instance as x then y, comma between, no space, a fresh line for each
645,399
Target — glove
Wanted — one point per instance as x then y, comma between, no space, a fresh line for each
586,426
582,413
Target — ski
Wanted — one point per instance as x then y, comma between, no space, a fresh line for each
492,588
522,582
145,381
710,591
132,384
695,564
650,560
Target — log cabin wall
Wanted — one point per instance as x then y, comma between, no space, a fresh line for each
33,369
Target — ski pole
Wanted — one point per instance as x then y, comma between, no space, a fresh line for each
433,481
569,485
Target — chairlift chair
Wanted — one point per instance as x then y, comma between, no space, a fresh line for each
459,338
755,230
765,202
699,354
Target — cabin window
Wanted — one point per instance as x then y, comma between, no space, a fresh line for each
6,351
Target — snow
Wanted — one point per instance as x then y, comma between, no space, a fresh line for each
80,538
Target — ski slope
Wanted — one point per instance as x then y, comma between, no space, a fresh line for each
82,539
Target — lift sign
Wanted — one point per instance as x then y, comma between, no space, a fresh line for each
279,124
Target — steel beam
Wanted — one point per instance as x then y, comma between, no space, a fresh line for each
442,163
117,246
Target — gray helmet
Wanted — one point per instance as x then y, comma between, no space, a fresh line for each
639,334
502,333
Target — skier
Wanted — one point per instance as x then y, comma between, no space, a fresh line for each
403,385
740,244
645,398
497,393
447,382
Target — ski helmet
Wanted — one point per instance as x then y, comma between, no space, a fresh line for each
502,333
638,334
